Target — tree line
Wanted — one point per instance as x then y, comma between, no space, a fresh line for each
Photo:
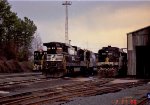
16,34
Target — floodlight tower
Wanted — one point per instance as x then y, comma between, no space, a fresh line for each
66,3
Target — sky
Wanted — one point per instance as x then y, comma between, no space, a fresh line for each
91,25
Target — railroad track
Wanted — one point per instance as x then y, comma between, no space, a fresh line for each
143,101
48,92
65,92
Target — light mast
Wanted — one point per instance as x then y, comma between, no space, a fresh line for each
66,3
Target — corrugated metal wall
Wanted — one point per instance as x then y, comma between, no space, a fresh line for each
137,38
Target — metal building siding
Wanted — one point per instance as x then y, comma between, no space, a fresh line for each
131,64
131,57
139,40
129,42
136,38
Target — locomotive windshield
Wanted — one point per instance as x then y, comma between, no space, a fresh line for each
54,50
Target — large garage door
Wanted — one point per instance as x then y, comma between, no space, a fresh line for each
143,61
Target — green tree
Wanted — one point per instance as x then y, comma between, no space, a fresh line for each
4,14
28,31
15,34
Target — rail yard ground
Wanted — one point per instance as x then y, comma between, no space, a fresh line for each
35,89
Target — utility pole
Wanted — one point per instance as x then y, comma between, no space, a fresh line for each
66,3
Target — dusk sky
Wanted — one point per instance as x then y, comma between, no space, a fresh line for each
92,24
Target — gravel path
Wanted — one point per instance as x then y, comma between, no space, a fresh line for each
111,98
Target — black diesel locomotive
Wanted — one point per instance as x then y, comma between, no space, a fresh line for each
112,62
62,59
39,56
